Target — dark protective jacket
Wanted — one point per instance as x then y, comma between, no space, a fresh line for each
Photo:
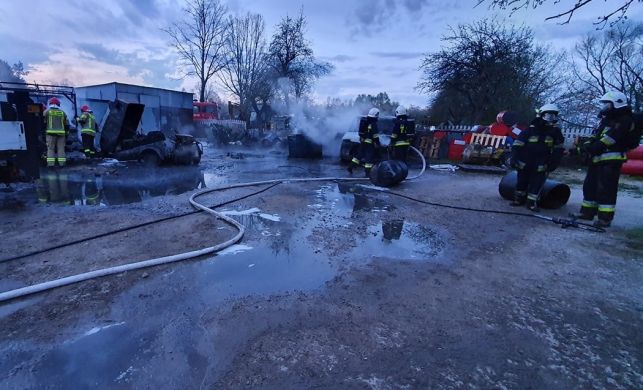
609,142
368,130
540,147
403,131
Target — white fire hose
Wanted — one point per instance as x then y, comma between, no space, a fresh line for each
40,287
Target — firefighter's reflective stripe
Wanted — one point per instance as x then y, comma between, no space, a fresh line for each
368,165
402,129
376,136
609,156
55,122
393,136
533,138
589,204
532,196
356,161
521,194
402,143
88,131
518,143
367,140
51,160
549,141
607,140
521,164
606,208
542,168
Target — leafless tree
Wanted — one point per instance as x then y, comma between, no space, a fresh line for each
615,12
245,74
611,60
199,40
293,64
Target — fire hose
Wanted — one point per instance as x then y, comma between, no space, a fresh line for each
45,286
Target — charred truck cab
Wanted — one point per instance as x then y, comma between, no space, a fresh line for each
119,139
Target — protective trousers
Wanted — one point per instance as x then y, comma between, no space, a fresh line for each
88,144
600,190
399,152
530,183
365,156
56,150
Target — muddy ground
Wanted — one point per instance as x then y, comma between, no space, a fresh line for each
335,285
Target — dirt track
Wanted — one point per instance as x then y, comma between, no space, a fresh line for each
334,286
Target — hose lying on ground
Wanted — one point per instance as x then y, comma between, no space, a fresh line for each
40,287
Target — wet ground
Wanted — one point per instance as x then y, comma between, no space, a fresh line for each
334,285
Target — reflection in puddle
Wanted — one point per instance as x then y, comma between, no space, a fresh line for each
126,186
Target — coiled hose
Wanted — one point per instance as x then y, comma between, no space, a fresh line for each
40,287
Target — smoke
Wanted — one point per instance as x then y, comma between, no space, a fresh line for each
325,125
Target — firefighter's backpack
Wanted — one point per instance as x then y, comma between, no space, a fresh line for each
636,132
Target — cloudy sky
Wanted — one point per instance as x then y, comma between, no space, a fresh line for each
375,45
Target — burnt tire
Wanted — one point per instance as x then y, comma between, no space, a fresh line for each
150,159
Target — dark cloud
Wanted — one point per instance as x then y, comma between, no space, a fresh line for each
397,55
373,16
13,49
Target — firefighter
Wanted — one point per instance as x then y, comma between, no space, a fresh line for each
536,152
368,142
56,128
403,134
606,154
88,130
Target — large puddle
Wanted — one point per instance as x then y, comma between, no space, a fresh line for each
124,186
278,255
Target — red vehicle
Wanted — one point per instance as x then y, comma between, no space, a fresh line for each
203,111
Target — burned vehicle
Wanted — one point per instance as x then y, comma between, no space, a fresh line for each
119,139
350,140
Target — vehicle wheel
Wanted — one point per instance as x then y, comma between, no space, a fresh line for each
150,159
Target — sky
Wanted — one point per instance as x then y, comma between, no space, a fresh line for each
374,45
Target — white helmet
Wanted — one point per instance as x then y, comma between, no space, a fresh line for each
400,111
618,99
373,112
549,107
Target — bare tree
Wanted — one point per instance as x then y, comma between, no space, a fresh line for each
199,40
12,73
484,67
616,12
292,61
611,60
245,74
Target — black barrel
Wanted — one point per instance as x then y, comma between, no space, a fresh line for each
300,146
389,173
554,194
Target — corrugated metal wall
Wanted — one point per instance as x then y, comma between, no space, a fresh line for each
165,110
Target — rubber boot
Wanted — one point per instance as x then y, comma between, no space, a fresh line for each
518,201
367,172
350,169
602,223
583,216
533,205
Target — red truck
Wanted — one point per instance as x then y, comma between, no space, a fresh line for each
204,111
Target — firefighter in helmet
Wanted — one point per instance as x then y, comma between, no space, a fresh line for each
87,120
368,142
56,128
403,134
606,154
537,151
